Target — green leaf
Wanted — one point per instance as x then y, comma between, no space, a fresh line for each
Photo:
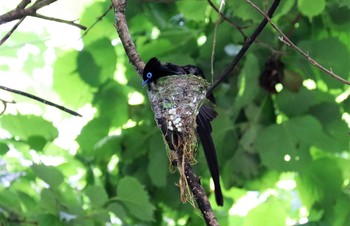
311,8
342,211
3,148
94,131
49,219
337,130
133,141
37,142
342,3
25,126
27,201
192,10
244,11
243,166
67,82
112,103
158,161
101,215
106,147
49,174
134,197
89,16
49,201
271,212
97,195
283,8
286,146
332,54
159,48
264,182
88,70
293,103
118,210
10,200
248,82
222,40
249,138
97,62
320,182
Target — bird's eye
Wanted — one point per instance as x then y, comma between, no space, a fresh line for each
149,75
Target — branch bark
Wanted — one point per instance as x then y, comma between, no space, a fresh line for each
200,196
124,35
135,59
21,12
62,108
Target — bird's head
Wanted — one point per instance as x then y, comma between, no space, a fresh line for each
151,72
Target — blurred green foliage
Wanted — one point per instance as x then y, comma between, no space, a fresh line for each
119,172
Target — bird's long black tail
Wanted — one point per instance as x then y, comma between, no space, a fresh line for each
205,116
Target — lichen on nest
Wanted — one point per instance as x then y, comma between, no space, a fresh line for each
176,101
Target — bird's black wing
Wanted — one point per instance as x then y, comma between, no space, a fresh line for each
204,129
172,69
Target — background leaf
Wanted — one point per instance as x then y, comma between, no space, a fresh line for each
26,126
283,156
311,8
49,174
132,194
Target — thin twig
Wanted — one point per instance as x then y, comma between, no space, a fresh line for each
238,27
214,40
40,100
226,72
21,12
11,31
23,4
289,43
97,20
82,27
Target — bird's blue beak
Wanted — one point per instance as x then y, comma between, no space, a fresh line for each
145,82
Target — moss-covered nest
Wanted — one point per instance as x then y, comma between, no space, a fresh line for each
176,101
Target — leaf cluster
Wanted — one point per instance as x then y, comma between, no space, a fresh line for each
288,147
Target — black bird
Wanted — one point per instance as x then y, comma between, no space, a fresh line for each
155,70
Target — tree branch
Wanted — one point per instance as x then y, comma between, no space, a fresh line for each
284,39
23,4
136,61
21,12
40,100
82,27
3,40
124,35
200,196
226,72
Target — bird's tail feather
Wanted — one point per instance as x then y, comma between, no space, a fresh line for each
204,129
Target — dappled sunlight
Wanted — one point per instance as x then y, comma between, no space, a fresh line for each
201,40
135,98
282,147
119,74
284,190
309,84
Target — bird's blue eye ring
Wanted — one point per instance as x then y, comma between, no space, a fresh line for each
149,75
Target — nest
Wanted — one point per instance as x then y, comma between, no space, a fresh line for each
176,101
